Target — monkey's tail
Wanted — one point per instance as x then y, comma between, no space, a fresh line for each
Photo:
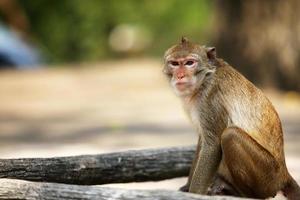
292,190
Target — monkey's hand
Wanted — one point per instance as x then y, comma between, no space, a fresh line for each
184,188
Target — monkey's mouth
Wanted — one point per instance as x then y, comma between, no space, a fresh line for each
182,85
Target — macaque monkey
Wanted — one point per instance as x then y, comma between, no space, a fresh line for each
240,148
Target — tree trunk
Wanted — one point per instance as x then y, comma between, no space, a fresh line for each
16,189
261,39
122,167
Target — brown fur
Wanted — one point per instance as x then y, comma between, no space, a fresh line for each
240,133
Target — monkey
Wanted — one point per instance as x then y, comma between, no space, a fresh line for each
240,146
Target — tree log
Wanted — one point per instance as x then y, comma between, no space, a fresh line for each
17,189
122,167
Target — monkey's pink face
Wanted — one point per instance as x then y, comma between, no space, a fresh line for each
182,72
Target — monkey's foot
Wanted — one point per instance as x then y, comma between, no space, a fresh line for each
184,188
221,187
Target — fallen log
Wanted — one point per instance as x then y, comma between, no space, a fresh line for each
121,167
17,189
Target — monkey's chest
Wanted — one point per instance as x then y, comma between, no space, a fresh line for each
194,116
206,121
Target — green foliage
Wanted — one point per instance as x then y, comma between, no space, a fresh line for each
77,30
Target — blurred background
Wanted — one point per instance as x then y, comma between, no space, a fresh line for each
85,77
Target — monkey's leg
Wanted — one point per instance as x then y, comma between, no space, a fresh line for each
252,170
186,187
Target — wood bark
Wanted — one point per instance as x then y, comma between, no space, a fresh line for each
122,167
17,189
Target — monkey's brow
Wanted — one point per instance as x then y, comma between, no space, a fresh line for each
194,56
190,56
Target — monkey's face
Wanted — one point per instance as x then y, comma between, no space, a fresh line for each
187,65
182,73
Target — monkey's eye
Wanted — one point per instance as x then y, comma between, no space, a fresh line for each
174,63
189,63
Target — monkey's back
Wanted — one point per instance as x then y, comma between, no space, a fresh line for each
248,108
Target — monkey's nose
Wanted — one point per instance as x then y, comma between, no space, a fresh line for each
180,76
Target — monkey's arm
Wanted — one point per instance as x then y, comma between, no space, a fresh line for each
206,167
186,187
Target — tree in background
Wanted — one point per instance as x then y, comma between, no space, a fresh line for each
76,30
261,39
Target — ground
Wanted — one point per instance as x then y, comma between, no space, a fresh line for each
105,107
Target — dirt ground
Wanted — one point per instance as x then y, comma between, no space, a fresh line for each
105,107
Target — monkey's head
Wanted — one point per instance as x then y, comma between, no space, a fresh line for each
188,65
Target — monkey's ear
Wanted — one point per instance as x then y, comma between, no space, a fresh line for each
211,53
